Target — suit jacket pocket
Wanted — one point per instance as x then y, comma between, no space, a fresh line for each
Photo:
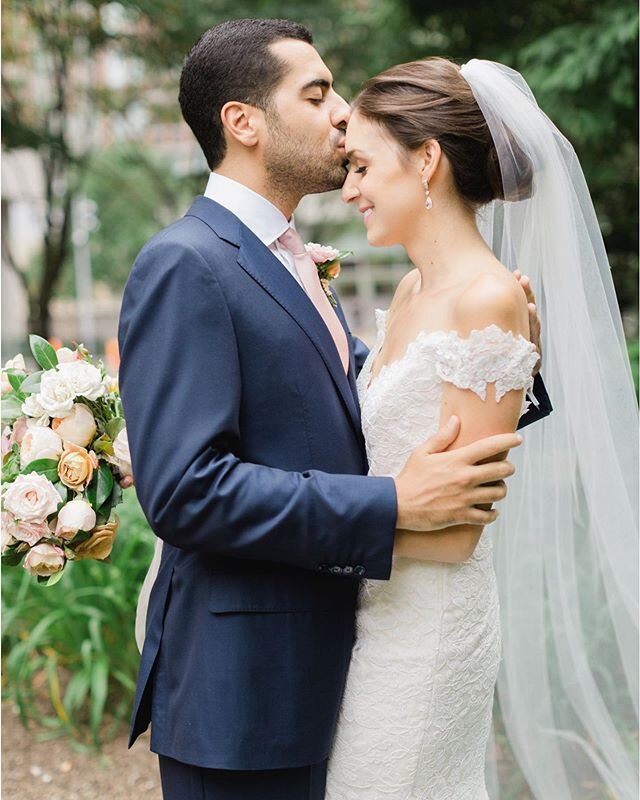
279,591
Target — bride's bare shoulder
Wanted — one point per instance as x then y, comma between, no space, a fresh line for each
492,298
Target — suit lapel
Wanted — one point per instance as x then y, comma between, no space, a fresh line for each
262,265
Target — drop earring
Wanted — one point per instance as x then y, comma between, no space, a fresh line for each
428,202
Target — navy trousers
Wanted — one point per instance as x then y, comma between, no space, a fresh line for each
186,782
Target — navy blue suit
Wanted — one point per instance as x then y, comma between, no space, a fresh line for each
249,461
250,464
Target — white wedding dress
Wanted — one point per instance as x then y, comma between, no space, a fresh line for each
416,712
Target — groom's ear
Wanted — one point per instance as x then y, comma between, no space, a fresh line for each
241,122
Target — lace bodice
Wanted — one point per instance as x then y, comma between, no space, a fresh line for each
416,711
401,404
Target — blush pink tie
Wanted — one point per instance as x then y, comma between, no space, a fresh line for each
308,272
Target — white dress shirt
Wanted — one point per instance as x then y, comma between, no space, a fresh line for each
259,215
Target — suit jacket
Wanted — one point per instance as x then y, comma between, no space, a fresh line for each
249,460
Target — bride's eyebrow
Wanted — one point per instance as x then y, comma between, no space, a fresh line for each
355,153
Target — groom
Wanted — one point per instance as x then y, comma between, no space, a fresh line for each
238,383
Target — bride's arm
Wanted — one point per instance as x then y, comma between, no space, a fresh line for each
490,304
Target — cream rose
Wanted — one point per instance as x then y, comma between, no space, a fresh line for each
31,497
79,426
110,384
100,543
76,465
85,379
39,442
56,394
32,408
65,355
44,560
29,532
75,516
17,362
122,455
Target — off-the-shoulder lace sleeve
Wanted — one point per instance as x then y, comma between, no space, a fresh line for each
490,355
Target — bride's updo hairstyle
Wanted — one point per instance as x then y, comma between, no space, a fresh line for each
430,99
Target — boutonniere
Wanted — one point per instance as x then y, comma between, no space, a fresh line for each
327,261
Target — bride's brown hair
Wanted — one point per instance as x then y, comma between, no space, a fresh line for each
430,99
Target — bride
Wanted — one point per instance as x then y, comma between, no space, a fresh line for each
461,167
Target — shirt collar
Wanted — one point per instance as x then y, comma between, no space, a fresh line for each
259,215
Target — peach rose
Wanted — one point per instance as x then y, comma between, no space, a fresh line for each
79,426
100,543
44,559
76,465
334,271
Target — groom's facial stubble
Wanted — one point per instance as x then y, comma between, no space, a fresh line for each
306,122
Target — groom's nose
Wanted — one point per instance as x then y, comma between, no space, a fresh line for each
340,113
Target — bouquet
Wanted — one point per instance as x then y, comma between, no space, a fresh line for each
64,451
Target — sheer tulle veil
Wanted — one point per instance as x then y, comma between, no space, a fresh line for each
566,546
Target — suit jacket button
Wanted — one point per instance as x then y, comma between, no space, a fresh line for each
348,570
335,570
359,570
322,568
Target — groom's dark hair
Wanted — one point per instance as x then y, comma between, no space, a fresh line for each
231,61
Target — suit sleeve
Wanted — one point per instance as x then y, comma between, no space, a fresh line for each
543,407
180,386
361,351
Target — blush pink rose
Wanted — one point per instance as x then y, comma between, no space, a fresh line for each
31,497
44,559
29,532
321,253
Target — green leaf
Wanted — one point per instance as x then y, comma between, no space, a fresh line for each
114,426
11,465
44,466
43,352
31,384
11,408
51,581
103,444
11,558
104,484
15,377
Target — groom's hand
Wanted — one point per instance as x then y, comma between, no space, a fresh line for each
437,489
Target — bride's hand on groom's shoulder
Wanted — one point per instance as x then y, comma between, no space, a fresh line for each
438,487
534,319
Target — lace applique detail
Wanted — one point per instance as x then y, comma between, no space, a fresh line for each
490,355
